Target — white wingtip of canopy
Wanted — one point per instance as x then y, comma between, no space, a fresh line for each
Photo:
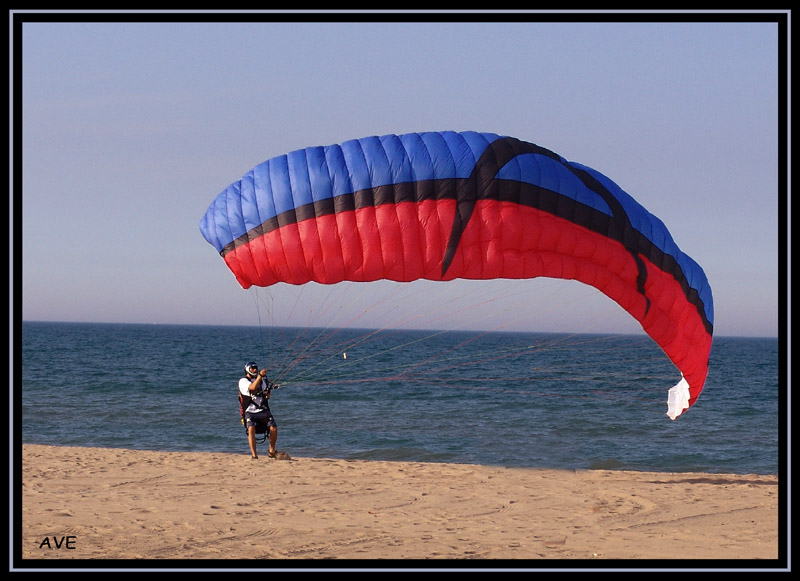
678,399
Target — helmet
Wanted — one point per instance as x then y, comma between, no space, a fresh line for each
249,366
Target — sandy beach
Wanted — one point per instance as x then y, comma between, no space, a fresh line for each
96,503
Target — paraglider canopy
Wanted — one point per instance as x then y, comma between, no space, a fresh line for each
447,205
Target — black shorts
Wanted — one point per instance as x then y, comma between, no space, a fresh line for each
261,420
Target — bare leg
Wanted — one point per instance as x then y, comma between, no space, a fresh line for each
251,439
273,439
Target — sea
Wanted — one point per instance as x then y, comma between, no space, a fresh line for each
534,400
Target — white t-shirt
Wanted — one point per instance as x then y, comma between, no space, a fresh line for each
259,402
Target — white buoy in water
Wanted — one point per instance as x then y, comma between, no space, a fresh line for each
344,355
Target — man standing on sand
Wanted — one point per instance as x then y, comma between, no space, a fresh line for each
256,389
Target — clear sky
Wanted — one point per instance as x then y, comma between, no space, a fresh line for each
130,129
